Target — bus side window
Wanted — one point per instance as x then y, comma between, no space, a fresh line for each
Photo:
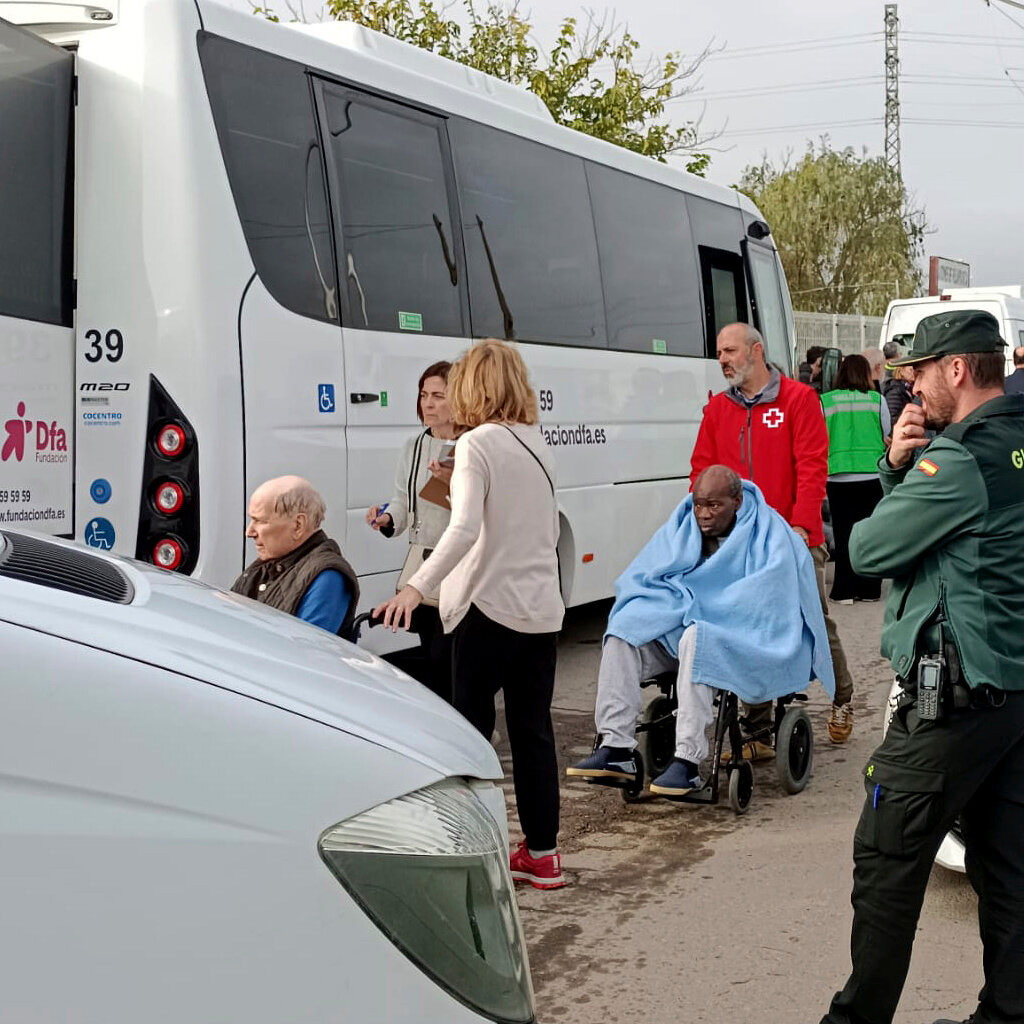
263,110
399,258
529,234
725,295
35,194
648,267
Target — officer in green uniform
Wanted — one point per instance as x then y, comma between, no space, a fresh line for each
950,534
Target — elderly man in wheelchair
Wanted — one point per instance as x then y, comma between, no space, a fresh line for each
724,595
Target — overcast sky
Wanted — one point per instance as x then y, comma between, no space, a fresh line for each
962,68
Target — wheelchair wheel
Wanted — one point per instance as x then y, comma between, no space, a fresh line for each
632,791
657,746
794,750
741,786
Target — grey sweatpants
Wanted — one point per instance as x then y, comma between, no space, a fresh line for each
619,700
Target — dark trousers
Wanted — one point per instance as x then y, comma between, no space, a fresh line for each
918,781
436,651
849,503
486,658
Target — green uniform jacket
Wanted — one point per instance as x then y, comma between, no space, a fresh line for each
950,534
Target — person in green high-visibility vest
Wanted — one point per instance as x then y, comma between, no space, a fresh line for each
858,424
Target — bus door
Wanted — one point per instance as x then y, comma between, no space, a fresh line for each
768,303
402,300
289,337
36,287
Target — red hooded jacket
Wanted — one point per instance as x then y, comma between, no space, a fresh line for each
780,443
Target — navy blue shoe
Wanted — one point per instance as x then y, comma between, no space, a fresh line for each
678,779
606,763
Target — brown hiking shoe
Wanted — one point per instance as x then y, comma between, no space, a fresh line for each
753,750
840,723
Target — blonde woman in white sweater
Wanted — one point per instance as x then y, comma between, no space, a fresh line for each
425,520
497,567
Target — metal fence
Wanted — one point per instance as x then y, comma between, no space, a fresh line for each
846,331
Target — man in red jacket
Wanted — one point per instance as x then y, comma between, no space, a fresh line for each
771,430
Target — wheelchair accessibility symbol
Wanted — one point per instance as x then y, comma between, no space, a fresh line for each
100,534
326,397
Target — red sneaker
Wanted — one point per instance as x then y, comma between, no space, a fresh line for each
540,872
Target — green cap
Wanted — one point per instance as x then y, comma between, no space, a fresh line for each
953,334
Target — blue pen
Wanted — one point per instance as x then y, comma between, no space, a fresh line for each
381,511
874,802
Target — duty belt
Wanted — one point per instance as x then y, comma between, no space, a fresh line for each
959,696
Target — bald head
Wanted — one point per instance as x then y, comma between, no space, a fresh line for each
875,360
1018,356
283,514
717,496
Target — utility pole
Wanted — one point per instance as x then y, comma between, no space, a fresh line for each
892,89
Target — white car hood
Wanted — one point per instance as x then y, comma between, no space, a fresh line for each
228,641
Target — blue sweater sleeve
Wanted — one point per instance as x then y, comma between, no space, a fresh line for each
326,601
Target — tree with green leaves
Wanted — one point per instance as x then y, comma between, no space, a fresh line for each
592,79
845,227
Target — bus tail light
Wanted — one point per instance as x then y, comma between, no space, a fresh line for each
170,440
168,553
168,535
168,497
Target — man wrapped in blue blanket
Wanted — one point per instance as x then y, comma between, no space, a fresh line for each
724,593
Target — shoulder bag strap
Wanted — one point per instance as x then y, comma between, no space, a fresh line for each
533,455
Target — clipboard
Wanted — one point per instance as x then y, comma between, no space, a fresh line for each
436,492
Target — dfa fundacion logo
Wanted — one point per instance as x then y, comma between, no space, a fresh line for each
50,441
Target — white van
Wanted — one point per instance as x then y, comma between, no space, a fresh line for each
211,811
1004,302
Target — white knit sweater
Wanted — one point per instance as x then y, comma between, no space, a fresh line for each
499,550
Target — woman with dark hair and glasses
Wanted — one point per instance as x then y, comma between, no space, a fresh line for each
426,456
858,423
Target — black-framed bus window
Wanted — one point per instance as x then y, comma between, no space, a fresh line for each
725,292
400,257
36,175
648,266
531,252
263,110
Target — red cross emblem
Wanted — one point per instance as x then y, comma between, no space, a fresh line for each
773,418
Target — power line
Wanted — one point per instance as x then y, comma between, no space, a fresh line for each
960,103
801,46
964,124
951,35
953,82
957,42
826,83
826,125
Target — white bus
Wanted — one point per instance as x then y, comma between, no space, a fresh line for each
229,247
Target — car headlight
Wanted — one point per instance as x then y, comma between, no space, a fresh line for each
431,870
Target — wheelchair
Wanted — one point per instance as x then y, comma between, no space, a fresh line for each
656,741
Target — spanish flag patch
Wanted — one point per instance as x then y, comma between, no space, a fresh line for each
927,466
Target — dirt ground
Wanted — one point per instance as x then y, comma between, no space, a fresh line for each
684,913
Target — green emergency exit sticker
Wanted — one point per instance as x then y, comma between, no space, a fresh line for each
660,347
410,321
383,399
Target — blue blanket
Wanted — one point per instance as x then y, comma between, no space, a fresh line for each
760,628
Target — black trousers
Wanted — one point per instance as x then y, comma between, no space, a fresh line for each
849,503
488,657
918,781
436,651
